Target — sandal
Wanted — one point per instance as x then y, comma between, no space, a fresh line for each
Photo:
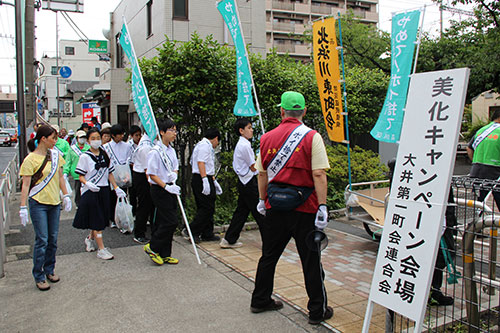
43,285
53,278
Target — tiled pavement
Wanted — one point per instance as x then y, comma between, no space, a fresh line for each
348,263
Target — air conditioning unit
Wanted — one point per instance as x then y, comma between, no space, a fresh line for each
68,108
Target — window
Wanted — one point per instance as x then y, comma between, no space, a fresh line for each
97,72
119,53
53,70
181,9
69,50
149,24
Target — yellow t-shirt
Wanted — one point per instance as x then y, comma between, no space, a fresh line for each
50,194
319,158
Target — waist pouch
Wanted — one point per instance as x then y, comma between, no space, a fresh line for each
286,197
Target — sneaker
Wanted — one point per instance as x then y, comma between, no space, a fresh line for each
437,298
141,240
90,244
104,254
274,305
327,315
113,225
170,261
224,244
213,238
185,234
153,255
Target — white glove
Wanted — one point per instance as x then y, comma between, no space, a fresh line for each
23,214
173,176
67,203
91,186
120,193
321,217
218,189
174,189
206,186
65,176
261,207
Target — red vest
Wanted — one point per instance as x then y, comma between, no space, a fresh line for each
297,171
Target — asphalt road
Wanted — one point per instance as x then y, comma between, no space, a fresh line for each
6,155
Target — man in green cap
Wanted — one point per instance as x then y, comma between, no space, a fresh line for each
292,196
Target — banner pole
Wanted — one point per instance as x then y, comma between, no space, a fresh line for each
250,69
345,105
188,228
418,41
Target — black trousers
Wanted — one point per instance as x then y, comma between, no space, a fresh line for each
78,194
165,221
281,227
132,194
440,267
248,198
145,207
203,223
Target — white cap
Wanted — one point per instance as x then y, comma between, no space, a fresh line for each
105,125
80,134
56,127
71,132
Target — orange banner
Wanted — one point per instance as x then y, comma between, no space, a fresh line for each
326,65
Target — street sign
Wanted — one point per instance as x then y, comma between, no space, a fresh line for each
63,5
90,110
98,46
65,72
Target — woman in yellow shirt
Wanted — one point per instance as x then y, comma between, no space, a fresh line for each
42,188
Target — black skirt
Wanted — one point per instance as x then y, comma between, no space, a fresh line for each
93,210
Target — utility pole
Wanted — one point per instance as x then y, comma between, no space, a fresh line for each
441,18
21,109
29,56
57,75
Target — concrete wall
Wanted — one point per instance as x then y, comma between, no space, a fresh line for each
483,104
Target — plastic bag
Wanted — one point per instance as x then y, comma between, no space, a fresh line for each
122,174
124,218
68,188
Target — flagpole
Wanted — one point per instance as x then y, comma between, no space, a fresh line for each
345,105
418,41
250,69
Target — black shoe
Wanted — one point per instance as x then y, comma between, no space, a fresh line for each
437,298
141,240
328,314
213,238
274,305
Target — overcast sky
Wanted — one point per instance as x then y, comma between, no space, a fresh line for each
96,17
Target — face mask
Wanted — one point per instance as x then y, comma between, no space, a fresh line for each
95,144
82,140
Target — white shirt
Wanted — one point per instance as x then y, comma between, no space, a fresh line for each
203,152
243,158
119,153
140,155
86,168
157,167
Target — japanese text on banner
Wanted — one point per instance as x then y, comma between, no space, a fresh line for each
419,192
139,90
244,104
404,34
326,66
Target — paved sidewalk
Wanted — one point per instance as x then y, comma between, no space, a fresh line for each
348,262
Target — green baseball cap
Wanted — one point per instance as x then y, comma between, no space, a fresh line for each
292,101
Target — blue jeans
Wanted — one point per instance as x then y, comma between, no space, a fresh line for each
45,219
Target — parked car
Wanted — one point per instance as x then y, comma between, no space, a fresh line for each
5,139
12,132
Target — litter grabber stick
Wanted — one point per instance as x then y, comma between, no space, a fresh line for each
188,229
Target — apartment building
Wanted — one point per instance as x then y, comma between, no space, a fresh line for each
286,21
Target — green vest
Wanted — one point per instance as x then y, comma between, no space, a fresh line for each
488,151
63,146
72,159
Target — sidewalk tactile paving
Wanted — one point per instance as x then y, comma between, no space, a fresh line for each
348,263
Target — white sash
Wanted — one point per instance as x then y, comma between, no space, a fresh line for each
54,166
485,134
58,150
95,177
286,151
164,158
77,150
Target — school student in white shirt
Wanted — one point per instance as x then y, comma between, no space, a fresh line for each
119,153
205,187
135,134
145,207
248,191
96,172
162,170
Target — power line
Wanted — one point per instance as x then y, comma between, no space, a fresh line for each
71,26
66,15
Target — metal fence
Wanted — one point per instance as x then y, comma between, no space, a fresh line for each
8,184
469,276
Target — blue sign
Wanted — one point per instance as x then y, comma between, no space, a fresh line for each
139,90
244,104
404,34
65,72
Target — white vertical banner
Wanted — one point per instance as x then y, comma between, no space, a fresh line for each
419,194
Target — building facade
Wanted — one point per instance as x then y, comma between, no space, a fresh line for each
287,20
151,22
484,105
